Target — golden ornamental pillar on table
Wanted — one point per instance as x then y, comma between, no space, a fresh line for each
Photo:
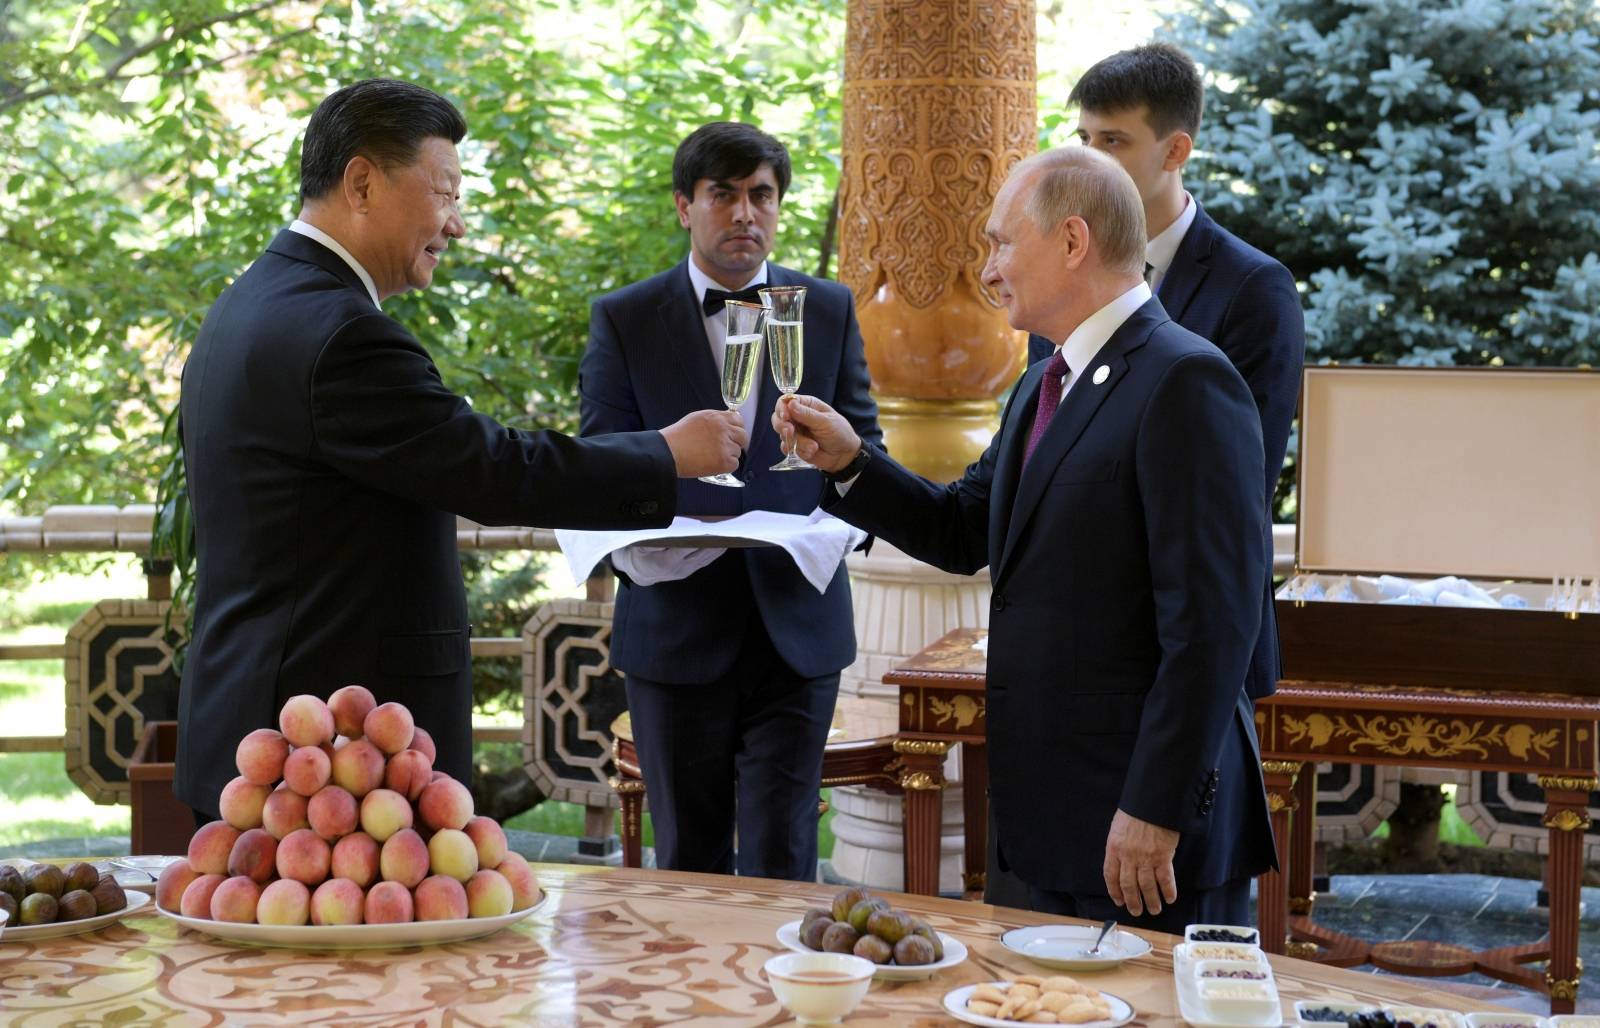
939,103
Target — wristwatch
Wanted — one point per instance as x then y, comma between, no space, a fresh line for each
857,464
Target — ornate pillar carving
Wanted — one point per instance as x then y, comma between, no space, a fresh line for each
939,102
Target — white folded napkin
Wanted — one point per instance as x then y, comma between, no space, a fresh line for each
816,542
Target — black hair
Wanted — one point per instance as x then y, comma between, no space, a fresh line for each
384,120
726,150
1158,76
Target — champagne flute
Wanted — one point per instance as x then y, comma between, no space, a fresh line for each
786,347
741,355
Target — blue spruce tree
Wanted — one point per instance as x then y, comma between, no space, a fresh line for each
1428,169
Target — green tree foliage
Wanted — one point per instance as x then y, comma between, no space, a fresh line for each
1428,169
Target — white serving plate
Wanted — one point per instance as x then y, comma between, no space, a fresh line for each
1254,937
136,874
955,1004
1199,1013
15,931
1301,1006
355,936
1408,1011
955,951
1062,945
1484,1019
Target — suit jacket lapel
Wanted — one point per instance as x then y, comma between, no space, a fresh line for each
683,328
1190,264
1008,465
291,244
1077,410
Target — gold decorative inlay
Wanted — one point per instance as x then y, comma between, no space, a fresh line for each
975,881
963,709
1563,988
920,781
625,786
1420,735
1282,767
1567,820
1300,906
1300,950
1278,802
1570,783
922,747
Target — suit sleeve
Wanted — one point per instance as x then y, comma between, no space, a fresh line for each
1199,472
1264,334
382,416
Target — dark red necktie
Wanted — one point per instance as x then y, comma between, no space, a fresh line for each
1049,400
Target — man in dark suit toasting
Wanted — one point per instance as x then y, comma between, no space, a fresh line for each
1119,512
731,658
327,461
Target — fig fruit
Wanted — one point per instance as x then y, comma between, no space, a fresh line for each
912,950
45,878
38,908
816,912
9,905
870,947
81,875
839,938
863,910
11,883
889,925
844,901
108,895
812,931
75,905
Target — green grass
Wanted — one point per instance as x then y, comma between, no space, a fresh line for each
1451,827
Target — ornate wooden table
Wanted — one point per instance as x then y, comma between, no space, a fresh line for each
941,704
610,946
1548,735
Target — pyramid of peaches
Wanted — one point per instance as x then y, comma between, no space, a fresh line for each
339,818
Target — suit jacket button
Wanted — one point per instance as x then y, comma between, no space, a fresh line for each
999,602
647,506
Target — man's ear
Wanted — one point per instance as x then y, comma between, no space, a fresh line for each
359,178
1178,150
682,203
1073,239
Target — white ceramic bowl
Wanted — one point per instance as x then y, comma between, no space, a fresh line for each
1235,1001
819,988
1488,1020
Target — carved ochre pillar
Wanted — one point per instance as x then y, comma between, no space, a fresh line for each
939,102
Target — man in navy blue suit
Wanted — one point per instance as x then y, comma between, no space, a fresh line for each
1119,512
731,659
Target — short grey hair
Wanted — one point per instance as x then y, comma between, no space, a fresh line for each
1083,182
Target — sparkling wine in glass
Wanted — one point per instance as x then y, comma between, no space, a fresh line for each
786,350
741,355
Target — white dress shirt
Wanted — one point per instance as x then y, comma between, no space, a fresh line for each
717,334
1159,252
1083,345
311,231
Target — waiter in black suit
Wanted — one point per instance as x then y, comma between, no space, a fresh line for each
327,461
731,657
1119,512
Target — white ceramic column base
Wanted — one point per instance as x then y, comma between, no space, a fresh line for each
901,605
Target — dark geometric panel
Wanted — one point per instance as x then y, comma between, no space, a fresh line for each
570,697
1507,810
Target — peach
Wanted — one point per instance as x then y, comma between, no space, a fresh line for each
390,903
307,770
445,803
389,727
451,852
350,707
306,721
358,767
338,901
241,803
284,812
404,858
489,837
488,895
284,902
254,856
408,773
441,898
525,890
384,812
210,846
422,742
261,755
304,856
332,813
196,901
355,857
235,900
175,878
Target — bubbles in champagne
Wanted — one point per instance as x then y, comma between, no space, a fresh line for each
739,360
785,340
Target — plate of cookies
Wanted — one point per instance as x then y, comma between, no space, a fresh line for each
1030,999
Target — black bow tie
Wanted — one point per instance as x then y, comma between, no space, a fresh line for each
716,298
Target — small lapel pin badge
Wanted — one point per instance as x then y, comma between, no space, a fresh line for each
1101,374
